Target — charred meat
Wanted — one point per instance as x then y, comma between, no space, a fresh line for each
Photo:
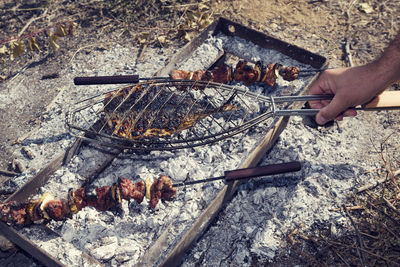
289,73
244,72
161,189
105,198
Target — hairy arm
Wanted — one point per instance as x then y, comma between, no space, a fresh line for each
355,85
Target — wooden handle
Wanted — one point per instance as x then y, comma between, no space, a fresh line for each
385,100
106,79
262,171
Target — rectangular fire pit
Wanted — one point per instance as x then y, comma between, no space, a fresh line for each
160,237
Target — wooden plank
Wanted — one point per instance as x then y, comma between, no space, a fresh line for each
30,187
29,246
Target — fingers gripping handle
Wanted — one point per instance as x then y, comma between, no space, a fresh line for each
262,171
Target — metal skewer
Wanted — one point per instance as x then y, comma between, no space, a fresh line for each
121,79
248,173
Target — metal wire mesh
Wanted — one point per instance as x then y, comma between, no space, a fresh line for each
167,114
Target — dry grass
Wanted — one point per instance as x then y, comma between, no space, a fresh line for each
372,237
144,23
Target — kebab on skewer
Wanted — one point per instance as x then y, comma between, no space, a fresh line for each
110,197
105,198
244,72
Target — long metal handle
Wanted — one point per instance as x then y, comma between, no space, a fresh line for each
106,79
284,99
387,100
117,79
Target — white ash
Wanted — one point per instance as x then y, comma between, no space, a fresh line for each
256,221
261,214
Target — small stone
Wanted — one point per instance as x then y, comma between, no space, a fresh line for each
28,153
68,231
17,166
105,252
107,240
5,244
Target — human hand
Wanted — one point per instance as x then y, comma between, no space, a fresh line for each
350,87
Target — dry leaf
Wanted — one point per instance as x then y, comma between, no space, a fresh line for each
33,46
3,50
143,38
163,40
187,36
71,28
52,42
367,8
205,21
203,6
2,78
17,48
60,31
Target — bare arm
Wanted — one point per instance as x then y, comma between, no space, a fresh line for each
356,85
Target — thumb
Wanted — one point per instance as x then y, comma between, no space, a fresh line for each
331,111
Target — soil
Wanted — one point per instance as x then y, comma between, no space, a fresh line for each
323,27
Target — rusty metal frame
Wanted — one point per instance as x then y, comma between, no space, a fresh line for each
175,254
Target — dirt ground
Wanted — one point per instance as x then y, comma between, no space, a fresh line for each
330,28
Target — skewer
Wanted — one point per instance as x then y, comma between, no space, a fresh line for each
125,79
248,173
110,197
313,71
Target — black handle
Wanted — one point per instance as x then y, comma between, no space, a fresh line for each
262,170
106,79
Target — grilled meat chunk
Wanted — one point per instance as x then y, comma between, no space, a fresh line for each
161,189
58,209
246,73
222,74
289,73
271,74
130,190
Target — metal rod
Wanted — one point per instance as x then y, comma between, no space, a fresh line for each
282,99
119,79
199,181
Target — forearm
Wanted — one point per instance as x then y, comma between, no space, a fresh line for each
388,65
356,85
